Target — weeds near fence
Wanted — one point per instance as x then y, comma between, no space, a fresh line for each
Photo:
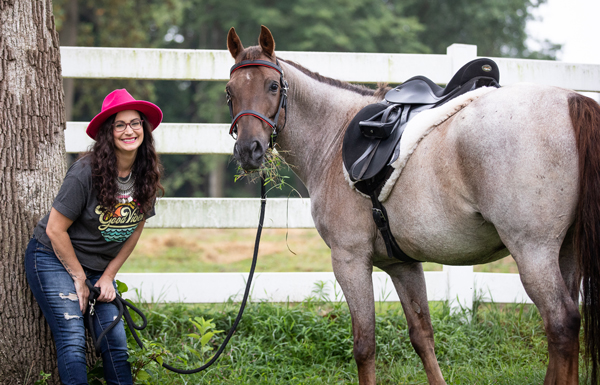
311,343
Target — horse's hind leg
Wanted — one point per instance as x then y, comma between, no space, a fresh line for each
568,267
544,279
409,281
354,275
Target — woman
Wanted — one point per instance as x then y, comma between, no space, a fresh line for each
94,224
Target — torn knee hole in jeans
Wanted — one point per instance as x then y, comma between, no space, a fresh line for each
71,296
69,316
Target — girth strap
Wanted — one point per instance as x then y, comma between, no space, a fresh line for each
381,220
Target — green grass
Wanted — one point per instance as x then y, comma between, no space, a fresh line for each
311,343
230,250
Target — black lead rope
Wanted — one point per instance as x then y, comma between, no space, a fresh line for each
122,304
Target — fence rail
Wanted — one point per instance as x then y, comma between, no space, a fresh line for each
295,287
457,284
176,64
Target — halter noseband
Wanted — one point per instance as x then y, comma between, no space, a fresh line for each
258,115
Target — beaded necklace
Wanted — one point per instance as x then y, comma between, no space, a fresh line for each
125,188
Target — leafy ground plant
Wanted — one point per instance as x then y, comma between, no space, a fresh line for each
44,377
193,349
311,343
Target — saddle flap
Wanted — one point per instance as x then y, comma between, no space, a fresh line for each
362,154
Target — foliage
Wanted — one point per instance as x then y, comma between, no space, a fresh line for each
146,363
311,343
44,379
412,26
114,23
497,27
95,374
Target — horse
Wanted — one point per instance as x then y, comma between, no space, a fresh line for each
516,171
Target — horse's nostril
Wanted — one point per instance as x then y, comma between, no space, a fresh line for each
236,151
256,150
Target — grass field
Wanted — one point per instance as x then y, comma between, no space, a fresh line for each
311,343
230,250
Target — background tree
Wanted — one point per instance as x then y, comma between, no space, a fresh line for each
411,26
497,27
32,166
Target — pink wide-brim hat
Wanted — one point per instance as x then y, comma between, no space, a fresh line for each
121,100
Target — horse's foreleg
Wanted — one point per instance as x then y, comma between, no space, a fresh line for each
409,282
545,285
354,277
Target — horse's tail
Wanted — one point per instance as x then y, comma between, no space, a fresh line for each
585,116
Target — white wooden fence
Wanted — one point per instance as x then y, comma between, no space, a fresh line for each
456,284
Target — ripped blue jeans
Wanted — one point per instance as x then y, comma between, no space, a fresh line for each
54,290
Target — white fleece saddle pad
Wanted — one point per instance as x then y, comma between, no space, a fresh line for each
417,129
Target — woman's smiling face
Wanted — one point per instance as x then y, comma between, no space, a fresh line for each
128,140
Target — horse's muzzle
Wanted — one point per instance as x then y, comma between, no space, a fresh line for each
249,155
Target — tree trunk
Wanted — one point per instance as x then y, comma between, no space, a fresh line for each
32,165
216,177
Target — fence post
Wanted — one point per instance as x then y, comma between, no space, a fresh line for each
460,54
460,288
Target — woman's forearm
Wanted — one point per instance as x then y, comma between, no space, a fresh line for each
61,243
63,248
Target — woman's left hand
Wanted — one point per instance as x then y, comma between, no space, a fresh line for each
107,290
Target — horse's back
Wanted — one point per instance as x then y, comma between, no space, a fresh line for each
503,168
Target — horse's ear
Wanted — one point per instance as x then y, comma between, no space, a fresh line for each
234,44
266,41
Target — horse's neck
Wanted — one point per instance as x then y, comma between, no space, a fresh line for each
318,114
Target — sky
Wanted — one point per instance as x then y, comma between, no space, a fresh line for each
573,23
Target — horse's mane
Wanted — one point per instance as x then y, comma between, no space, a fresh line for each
255,52
359,89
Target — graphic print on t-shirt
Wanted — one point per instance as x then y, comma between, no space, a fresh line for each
118,225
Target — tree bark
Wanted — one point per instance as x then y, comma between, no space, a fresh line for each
216,177
32,165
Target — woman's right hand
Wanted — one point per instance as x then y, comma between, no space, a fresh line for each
83,293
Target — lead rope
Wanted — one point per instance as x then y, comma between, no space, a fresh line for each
121,303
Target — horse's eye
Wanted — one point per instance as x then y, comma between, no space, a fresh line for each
274,87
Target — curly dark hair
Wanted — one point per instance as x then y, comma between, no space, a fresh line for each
146,168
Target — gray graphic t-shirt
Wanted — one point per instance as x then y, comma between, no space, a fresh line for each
97,235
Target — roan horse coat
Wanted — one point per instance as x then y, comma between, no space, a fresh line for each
517,171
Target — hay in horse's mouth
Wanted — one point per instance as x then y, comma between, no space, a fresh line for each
272,163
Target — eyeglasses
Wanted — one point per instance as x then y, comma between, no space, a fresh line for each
135,124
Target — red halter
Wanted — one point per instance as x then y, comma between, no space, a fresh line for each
258,115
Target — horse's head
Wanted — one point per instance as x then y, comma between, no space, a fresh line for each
256,97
